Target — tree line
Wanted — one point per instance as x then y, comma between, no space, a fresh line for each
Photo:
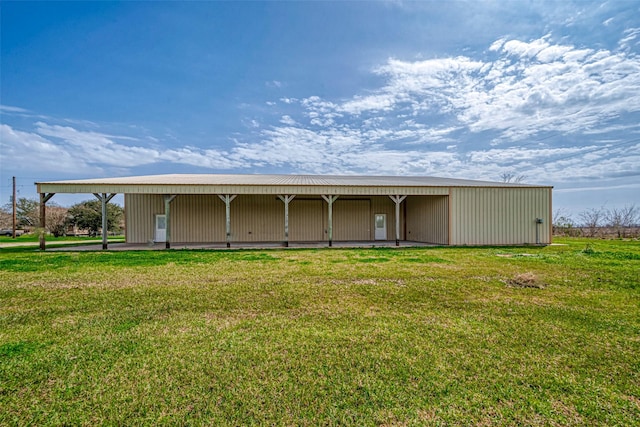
599,222
85,216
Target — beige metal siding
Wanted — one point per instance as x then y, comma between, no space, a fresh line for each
198,219
140,211
257,219
306,220
428,219
352,220
499,216
478,216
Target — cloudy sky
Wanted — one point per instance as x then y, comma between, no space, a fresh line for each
548,90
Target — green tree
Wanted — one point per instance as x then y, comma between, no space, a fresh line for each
88,215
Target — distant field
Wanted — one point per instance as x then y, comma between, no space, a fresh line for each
428,336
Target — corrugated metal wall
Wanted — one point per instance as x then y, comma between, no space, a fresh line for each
478,216
499,216
428,219
257,219
306,220
198,219
352,219
140,211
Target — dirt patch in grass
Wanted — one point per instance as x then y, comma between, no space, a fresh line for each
526,280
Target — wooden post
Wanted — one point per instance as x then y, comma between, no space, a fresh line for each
167,216
286,199
330,199
44,198
397,199
227,199
104,199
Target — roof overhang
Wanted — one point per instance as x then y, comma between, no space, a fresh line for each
269,184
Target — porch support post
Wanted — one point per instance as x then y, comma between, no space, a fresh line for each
227,199
44,198
104,199
397,199
330,199
168,198
286,199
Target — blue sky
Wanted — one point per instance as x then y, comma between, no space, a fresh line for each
549,90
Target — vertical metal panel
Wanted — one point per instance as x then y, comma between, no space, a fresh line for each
198,218
257,218
306,220
428,219
352,220
140,211
499,216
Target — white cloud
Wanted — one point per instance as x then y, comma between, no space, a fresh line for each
531,87
11,109
99,148
69,150
527,107
630,37
287,120
274,84
528,89
31,151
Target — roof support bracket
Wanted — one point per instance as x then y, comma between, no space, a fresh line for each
397,200
286,199
330,199
227,199
104,199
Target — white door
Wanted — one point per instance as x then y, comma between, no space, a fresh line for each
161,228
381,226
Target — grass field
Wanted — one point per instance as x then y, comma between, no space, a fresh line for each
425,336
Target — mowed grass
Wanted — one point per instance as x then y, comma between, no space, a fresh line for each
424,336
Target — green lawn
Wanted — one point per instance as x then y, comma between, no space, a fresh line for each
425,336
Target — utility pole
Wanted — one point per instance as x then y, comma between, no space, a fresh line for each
14,207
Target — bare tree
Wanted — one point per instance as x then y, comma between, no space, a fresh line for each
512,177
6,218
592,219
27,212
28,216
563,224
57,220
622,219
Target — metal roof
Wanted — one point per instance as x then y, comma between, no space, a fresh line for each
270,184
284,180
